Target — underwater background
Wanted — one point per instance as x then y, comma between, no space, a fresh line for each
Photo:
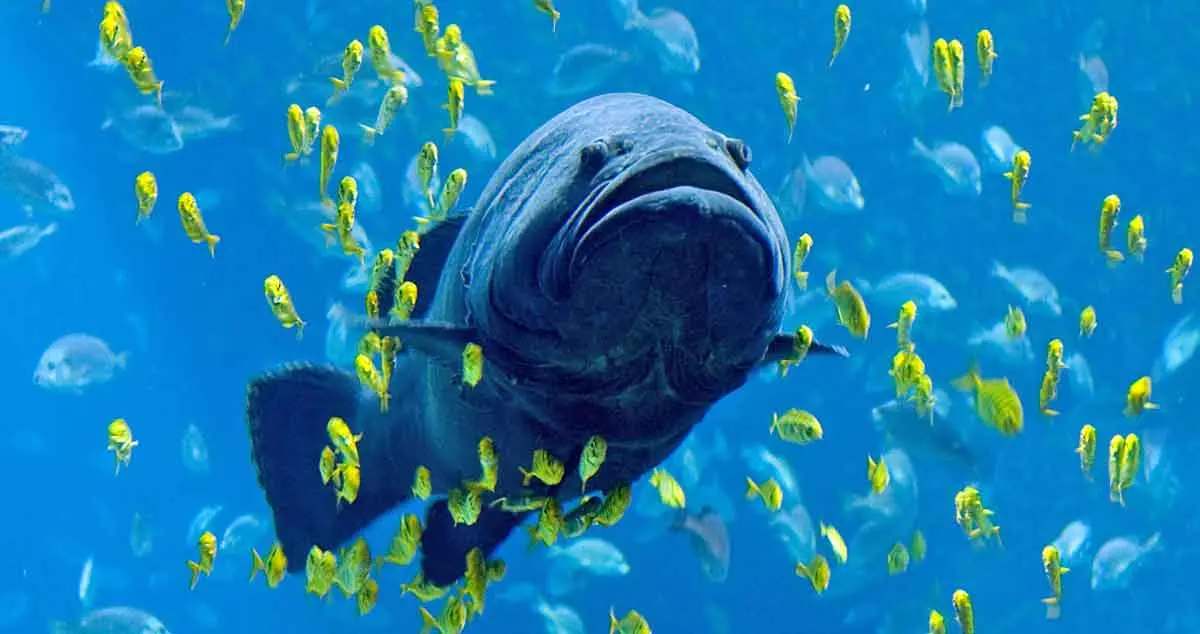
871,173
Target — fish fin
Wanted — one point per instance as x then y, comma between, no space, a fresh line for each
444,546
430,261
287,411
440,341
783,347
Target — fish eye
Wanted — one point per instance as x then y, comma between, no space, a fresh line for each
594,155
739,152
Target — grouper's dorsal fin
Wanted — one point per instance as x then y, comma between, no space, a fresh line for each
783,347
429,262
440,341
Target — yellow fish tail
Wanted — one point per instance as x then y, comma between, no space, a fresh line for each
257,564
752,489
196,570
212,241
484,86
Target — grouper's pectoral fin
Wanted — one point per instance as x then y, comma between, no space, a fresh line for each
287,412
783,347
444,546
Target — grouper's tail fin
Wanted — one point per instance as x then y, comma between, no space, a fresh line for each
287,411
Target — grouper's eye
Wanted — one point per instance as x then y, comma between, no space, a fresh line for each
739,152
594,155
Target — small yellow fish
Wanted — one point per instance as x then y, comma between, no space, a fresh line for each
327,466
547,7
145,187
616,502
1087,449
923,397
1178,271
1109,210
489,467
996,402
319,570
1137,399
1116,451
379,49
475,580
632,623
851,309
790,102
458,61
898,559
957,61
594,453
769,492
841,30
341,231
207,546
312,128
1098,123
816,571
907,368
427,24
545,467
141,71
343,441
274,567
801,344
549,523
943,69
836,543
877,475
796,426
280,303
451,190
464,505
964,612
1014,323
974,518
423,590
985,50
903,325
919,546
1087,321
937,622
352,59
393,99
193,223
372,378
351,480
366,597
669,491
1052,564
1135,238
803,248
296,133
1018,175
427,160
406,543
330,142
235,8
422,486
1131,459
455,98
1047,393
121,442
472,364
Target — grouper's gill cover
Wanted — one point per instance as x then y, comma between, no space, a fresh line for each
622,270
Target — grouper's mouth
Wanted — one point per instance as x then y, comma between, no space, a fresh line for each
670,281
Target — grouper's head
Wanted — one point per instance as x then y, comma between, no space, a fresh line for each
640,266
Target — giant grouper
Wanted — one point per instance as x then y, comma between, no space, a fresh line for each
622,270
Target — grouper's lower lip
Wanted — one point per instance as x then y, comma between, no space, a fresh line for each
687,274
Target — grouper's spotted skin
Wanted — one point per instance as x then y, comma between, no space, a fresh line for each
622,270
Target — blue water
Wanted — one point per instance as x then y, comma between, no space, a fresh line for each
197,330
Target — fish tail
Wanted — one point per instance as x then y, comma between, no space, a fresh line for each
256,564
212,240
287,411
195,568
228,34
752,489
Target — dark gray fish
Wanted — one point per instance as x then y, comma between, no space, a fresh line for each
709,538
622,270
585,68
33,185
116,620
